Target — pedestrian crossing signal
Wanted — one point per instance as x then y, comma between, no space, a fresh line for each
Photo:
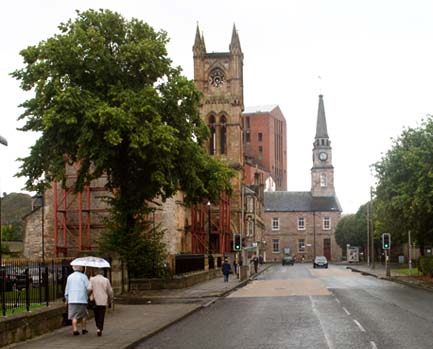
386,241
237,242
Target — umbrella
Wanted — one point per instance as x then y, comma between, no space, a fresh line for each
90,261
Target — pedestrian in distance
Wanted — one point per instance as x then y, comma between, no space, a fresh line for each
76,297
102,293
255,262
225,268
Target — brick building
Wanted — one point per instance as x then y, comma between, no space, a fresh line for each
265,139
305,222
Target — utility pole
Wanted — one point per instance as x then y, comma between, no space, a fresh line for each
368,234
409,252
373,263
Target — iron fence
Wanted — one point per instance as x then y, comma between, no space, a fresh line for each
188,262
30,283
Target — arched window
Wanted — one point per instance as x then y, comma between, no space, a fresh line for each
223,135
212,139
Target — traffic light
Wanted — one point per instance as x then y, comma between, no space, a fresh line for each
237,242
386,241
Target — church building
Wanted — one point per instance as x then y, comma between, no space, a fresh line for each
304,222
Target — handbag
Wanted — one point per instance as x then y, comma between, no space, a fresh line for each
91,304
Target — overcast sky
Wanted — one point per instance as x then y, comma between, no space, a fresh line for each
375,59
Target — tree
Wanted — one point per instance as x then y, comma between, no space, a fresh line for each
352,229
106,97
404,194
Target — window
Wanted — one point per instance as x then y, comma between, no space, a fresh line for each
260,152
250,204
301,245
323,182
275,246
247,136
248,121
275,223
250,226
260,136
301,223
212,140
223,132
326,223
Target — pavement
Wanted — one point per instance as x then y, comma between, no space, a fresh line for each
415,280
139,315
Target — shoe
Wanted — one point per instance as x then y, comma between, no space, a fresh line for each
76,333
99,333
84,331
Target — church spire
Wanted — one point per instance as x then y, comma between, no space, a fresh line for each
321,129
199,46
235,44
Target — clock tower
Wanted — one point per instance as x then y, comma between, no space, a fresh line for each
322,172
219,76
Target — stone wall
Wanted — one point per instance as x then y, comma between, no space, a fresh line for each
24,326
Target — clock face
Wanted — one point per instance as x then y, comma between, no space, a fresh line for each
216,77
323,156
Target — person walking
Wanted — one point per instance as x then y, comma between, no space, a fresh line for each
255,262
225,268
102,293
76,298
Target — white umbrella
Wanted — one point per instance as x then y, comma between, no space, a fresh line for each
90,261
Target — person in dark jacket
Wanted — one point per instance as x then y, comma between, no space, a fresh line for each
225,268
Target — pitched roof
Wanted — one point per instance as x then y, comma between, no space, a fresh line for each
260,109
299,201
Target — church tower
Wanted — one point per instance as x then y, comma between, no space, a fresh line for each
322,172
219,76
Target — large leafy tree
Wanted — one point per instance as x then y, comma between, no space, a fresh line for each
105,96
404,194
352,229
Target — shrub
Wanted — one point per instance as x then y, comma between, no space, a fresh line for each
425,265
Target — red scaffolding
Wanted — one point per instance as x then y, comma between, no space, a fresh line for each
74,216
216,239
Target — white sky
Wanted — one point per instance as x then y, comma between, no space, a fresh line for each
375,59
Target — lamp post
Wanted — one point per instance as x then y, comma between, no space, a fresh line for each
314,235
209,227
5,143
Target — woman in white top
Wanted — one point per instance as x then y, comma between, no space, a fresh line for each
102,293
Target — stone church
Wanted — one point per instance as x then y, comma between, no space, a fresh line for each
303,223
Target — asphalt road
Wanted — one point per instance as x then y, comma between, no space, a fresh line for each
300,307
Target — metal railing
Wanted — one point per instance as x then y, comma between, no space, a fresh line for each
188,262
31,283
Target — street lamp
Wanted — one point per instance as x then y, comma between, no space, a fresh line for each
209,227
5,143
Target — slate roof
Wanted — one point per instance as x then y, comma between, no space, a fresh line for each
299,201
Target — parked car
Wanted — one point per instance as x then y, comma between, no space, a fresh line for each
288,260
12,278
320,262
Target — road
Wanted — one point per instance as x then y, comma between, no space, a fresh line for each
300,307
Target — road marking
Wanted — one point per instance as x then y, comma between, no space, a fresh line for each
337,300
208,303
359,325
316,312
346,311
373,345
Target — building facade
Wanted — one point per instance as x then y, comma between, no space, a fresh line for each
265,137
304,222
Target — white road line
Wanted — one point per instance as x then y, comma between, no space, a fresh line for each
346,311
373,345
316,312
337,300
359,325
